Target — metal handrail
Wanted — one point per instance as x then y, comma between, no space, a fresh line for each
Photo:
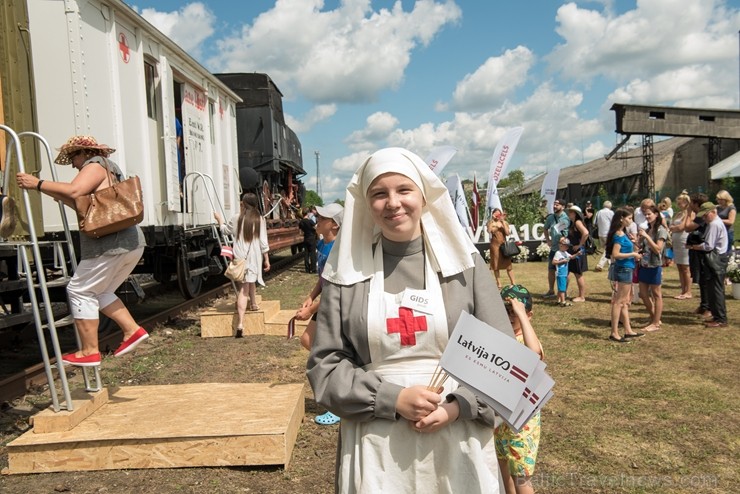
34,244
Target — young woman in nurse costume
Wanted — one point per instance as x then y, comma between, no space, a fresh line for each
401,272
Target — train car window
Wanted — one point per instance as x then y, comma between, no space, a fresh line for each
212,111
150,82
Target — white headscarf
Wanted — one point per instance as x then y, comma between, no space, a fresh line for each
449,248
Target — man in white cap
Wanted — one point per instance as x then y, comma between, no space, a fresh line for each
713,264
328,220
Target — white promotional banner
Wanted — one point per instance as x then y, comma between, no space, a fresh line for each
550,188
494,201
457,194
439,157
501,158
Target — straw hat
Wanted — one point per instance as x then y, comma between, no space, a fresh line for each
78,143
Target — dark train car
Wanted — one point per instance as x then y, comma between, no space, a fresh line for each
269,154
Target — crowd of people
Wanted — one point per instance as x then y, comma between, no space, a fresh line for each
637,245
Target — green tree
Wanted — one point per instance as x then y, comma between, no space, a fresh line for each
312,199
520,208
515,179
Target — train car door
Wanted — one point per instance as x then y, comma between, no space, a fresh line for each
196,138
169,130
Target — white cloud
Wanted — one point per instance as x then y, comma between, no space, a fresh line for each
351,162
698,86
554,133
348,54
318,113
657,36
379,125
188,27
493,81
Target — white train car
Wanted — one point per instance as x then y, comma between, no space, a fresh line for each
101,69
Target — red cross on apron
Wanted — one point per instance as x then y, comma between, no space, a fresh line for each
407,325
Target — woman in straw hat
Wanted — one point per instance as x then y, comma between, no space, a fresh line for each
401,272
105,262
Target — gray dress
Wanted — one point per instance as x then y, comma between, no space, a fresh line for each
340,357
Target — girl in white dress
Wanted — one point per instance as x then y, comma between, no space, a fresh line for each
250,243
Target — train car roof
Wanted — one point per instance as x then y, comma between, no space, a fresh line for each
136,18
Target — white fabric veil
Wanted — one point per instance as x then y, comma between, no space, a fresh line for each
449,248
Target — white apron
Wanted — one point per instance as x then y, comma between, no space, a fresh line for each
387,456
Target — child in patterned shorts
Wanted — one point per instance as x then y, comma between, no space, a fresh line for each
517,452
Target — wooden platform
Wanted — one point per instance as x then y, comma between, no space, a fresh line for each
188,425
220,320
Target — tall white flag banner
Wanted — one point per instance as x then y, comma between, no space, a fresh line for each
439,157
501,158
550,188
457,194
494,201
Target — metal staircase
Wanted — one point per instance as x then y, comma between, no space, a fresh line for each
190,181
30,266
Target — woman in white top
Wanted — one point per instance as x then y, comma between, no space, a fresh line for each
250,243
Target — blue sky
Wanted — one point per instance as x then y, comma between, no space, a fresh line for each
359,75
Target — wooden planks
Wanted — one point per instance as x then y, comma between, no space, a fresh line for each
184,425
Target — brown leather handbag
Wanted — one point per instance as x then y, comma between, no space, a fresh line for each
112,209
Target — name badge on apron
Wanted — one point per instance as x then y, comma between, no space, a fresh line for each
417,300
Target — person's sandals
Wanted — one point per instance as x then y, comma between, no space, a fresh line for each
327,419
633,335
565,304
618,340
239,333
254,308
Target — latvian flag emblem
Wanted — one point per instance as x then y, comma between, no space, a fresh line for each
518,373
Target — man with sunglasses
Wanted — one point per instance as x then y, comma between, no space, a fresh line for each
556,227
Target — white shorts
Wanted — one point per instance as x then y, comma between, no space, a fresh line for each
94,283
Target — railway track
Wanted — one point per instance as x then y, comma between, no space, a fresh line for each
17,384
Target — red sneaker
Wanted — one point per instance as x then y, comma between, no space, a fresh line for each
85,361
132,342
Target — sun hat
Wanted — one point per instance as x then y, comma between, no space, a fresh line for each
77,143
518,292
705,208
334,211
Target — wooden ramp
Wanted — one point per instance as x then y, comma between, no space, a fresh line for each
220,320
188,425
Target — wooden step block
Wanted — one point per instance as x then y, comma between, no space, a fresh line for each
220,320
278,324
84,404
194,425
254,321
